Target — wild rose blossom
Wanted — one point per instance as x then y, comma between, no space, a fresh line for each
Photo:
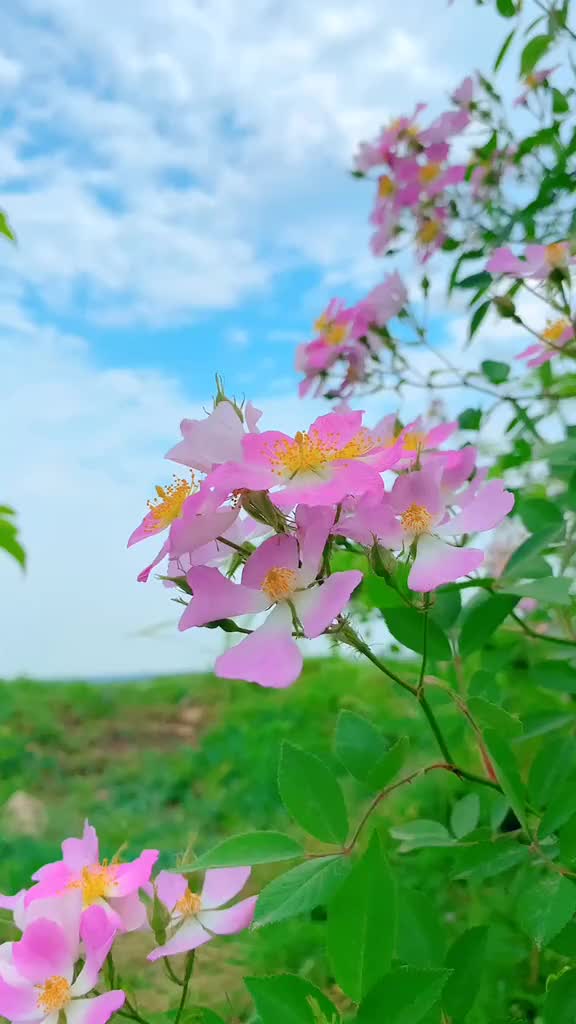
37,973
539,262
196,918
113,886
281,576
533,81
554,337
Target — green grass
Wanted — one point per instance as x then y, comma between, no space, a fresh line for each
174,763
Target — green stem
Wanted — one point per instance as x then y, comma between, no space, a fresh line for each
365,650
171,974
435,727
420,687
186,983
541,636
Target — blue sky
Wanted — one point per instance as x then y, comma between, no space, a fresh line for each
176,172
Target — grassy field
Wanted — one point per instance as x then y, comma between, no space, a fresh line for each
167,763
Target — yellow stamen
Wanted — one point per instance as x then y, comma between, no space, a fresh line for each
54,994
310,453
332,332
279,583
386,186
429,173
168,504
414,442
531,81
96,882
416,519
556,254
429,232
189,904
555,330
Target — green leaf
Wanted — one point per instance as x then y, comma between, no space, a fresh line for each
488,715
421,940
481,619
545,905
421,834
311,794
539,514
200,1015
364,753
248,849
550,590
507,772
5,228
533,52
507,8
404,996
288,999
407,626
521,559
554,675
362,923
550,768
504,50
446,608
560,809
478,316
470,419
496,372
301,889
481,280
465,815
466,961
379,594
560,104
560,1003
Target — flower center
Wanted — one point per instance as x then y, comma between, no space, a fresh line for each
555,330
310,453
279,583
386,186
556,254
168,504
429,231
54,994
429,173
189,904
416,519
414,442
95,882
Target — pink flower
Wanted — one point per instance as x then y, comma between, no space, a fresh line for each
114,886
403,129
197,918
418,514
163,510
463,96
539,262
216,438
554,337
381,304
533,81
280,575
335,457
451,123
37,973
431,232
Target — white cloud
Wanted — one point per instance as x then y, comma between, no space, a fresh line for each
237,337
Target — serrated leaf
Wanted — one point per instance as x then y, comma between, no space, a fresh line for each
550,768
362,923
465,815
246,850
421,939
311,794
533,52
446,607
554,675
481,619
466,961
549,590
288,999
404,996
507,772
489,715
560,1003
420,834
364,753
545,906
300,890
407,626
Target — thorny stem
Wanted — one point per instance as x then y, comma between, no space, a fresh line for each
237,547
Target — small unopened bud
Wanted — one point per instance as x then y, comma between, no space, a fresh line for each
260,506
505,306
221,396
159,920
382,561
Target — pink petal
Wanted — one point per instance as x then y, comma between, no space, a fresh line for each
341,478
95,1011
132,876
503,261
44,950
319,606
200,523
269,656
144,574
147,528
336,429
217,597
418,488
458,467
437,562
232,920
280,552
131,911
98,934
81,853
19,1003
252,417
314,525
486,510
65,908
441,433
222,884
170,887
12,902
189,935
208,442
370,521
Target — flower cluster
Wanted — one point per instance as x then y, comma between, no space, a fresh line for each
300,497
71,917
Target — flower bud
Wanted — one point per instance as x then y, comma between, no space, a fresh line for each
505,306
382,561
159,920
260,506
